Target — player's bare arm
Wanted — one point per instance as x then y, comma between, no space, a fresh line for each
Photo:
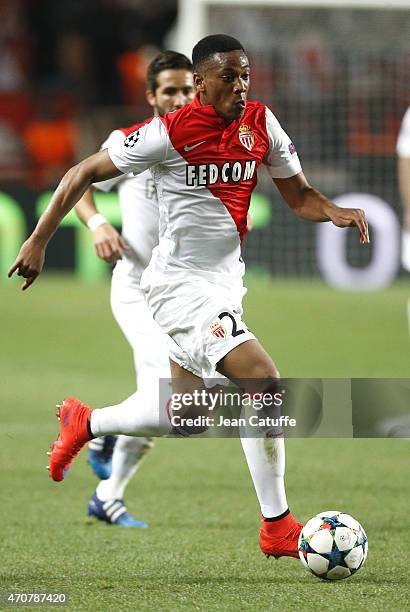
30,260
310,204
86,207
108,243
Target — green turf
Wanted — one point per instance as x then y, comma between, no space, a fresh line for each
201,552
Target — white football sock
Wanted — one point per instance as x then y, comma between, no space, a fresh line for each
127,456
138,415
266,462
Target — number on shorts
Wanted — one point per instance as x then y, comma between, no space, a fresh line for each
235,330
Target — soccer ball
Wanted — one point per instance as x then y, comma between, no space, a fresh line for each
333,545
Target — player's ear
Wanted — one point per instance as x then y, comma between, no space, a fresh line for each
150,97
199,82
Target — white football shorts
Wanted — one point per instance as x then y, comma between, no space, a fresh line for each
201,315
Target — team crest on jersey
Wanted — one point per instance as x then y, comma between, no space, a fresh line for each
218,330
246,136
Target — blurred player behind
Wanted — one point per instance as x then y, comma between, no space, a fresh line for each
169,87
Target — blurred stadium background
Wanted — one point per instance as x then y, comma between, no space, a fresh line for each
337,75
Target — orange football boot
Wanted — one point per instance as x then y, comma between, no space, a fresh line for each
280,538
74,417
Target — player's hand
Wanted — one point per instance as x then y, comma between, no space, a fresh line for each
352,217
29,262
108,243
249,222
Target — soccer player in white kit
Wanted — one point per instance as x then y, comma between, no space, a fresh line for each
403,152
170,87
204,159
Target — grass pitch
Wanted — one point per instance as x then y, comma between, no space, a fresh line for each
201,551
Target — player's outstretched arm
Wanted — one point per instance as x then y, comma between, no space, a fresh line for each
108,243
30,260
310,204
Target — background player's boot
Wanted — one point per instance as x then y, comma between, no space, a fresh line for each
280,538
99,456
113,511
74,417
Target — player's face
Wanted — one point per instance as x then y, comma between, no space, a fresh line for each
175,89
224,83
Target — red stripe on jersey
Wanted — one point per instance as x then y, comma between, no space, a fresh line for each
228,152
133,128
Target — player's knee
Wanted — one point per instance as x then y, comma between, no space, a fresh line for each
264,370
264,379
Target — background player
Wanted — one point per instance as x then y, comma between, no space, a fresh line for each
169,87
403,152
195,275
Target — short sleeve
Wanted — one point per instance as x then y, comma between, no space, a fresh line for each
403,141
281,159
115,138
142,149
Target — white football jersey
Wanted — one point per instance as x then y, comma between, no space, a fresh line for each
139,211
204,173
403,141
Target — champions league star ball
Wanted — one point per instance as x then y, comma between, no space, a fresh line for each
333,545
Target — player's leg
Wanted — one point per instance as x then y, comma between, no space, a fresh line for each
185,383
249,366
208,334
135,321
244,365
127,458
107,503
99,455
150,357
138,415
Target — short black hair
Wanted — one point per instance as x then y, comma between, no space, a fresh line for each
215,43
166,60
